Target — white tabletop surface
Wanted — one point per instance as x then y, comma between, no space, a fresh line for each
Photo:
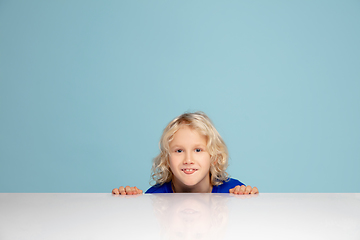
179,216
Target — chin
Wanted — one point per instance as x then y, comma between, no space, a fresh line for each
190,183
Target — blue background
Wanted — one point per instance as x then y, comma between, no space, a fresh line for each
86,88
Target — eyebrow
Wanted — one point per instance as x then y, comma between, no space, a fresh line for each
196,145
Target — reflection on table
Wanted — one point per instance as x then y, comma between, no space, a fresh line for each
179,216
189,216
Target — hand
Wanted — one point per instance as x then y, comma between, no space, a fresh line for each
240,190
126,190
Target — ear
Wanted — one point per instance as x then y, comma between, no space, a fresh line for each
167,162
215,161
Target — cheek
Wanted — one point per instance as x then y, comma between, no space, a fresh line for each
172,161
206,160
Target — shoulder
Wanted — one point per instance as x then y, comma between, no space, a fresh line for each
227,185
164,188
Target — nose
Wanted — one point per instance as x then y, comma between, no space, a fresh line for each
188,158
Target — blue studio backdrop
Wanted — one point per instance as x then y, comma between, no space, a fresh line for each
86,88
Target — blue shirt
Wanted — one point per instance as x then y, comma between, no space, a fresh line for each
223,188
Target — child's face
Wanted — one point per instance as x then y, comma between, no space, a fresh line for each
189,159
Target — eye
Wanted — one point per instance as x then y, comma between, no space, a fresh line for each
179,151
198,150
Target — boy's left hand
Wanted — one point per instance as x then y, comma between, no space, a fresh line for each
244,190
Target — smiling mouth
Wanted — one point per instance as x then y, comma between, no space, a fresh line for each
189,170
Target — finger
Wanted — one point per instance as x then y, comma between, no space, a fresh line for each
248,189
254,190
231,190
242,189
133,191
128,190
138,191
237,190
115,191
122,190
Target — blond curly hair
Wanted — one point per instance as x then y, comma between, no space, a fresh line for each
161,172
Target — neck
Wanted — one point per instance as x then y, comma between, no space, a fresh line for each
179,187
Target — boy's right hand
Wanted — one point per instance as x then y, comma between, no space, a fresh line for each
126,191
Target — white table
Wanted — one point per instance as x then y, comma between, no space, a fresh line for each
179,216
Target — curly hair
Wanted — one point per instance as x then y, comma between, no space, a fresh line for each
161,172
